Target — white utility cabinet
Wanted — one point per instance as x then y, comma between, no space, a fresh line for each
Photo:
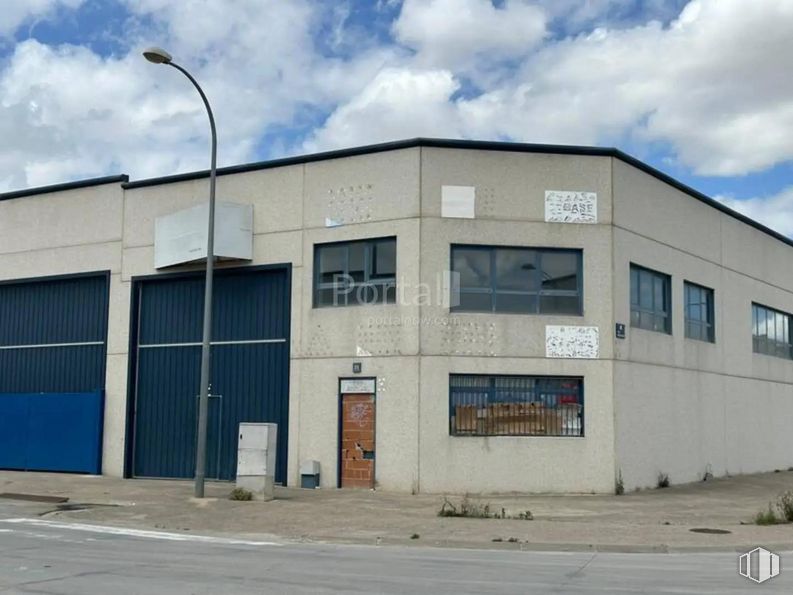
256,458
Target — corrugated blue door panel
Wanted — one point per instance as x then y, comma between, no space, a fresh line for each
14,414
250,380
65,432
165,415
52,334
245,306
52,369
70,310
51,431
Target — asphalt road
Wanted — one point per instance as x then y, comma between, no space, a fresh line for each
40,556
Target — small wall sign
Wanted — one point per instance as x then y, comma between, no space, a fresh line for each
356,367
571,207
620,330
357,386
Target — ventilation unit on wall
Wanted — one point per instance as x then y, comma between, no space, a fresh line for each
181,237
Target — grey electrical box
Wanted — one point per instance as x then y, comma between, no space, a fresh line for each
309,474
256,459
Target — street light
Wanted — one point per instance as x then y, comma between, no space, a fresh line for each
160,56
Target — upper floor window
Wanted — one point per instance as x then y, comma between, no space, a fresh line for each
651,300
356,272
518,280
771,332
699,312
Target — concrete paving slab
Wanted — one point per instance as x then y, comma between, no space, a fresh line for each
647,521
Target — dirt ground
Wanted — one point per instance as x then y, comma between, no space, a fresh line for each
654,520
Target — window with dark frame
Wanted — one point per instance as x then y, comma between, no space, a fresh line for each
355,272
486,405
651,300
699,312
518,280
771,332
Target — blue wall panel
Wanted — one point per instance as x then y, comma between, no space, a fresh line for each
249,376
52,334
51,431
52,372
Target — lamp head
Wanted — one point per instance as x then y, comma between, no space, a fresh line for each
157,56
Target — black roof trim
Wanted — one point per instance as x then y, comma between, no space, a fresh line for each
122,178
409,144
376,148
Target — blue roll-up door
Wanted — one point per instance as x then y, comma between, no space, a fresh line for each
249,369
52,371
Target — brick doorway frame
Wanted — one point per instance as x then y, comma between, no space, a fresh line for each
360,482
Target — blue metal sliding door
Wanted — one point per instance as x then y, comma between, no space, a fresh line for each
52,372
249,369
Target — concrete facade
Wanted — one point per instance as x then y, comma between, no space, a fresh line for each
655,403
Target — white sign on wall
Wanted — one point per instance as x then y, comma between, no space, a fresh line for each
458,201
357,385
181,237
575,342
571,207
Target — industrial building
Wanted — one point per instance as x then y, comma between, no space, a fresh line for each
424,315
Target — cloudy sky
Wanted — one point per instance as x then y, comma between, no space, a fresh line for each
702,89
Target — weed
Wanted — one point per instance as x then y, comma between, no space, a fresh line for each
241,494
785,506
663,480
415,536
767,517
619,486
708,473
466,508
496,540
477,510
513,540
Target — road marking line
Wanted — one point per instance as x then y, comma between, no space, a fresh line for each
136,532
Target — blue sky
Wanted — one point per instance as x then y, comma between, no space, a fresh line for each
692,87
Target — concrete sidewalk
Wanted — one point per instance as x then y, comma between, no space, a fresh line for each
657,520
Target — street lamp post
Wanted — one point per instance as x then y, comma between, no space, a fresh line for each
160,56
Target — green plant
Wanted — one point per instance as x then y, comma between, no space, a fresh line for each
526,515
663,480
785,506
619,486
241,494
767,517
466,508
415,536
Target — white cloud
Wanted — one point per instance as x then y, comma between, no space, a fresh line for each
713,85
398,103
15,13
458,33
774,211
77,114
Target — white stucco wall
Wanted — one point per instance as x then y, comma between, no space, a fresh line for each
685,407
510,211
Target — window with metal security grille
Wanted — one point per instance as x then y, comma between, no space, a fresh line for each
651,300
518,280
771,332
700,322
483,405
357,272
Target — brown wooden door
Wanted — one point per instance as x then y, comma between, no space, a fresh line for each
357,441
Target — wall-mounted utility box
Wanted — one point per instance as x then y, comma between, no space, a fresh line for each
181,237
256,459
309,474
